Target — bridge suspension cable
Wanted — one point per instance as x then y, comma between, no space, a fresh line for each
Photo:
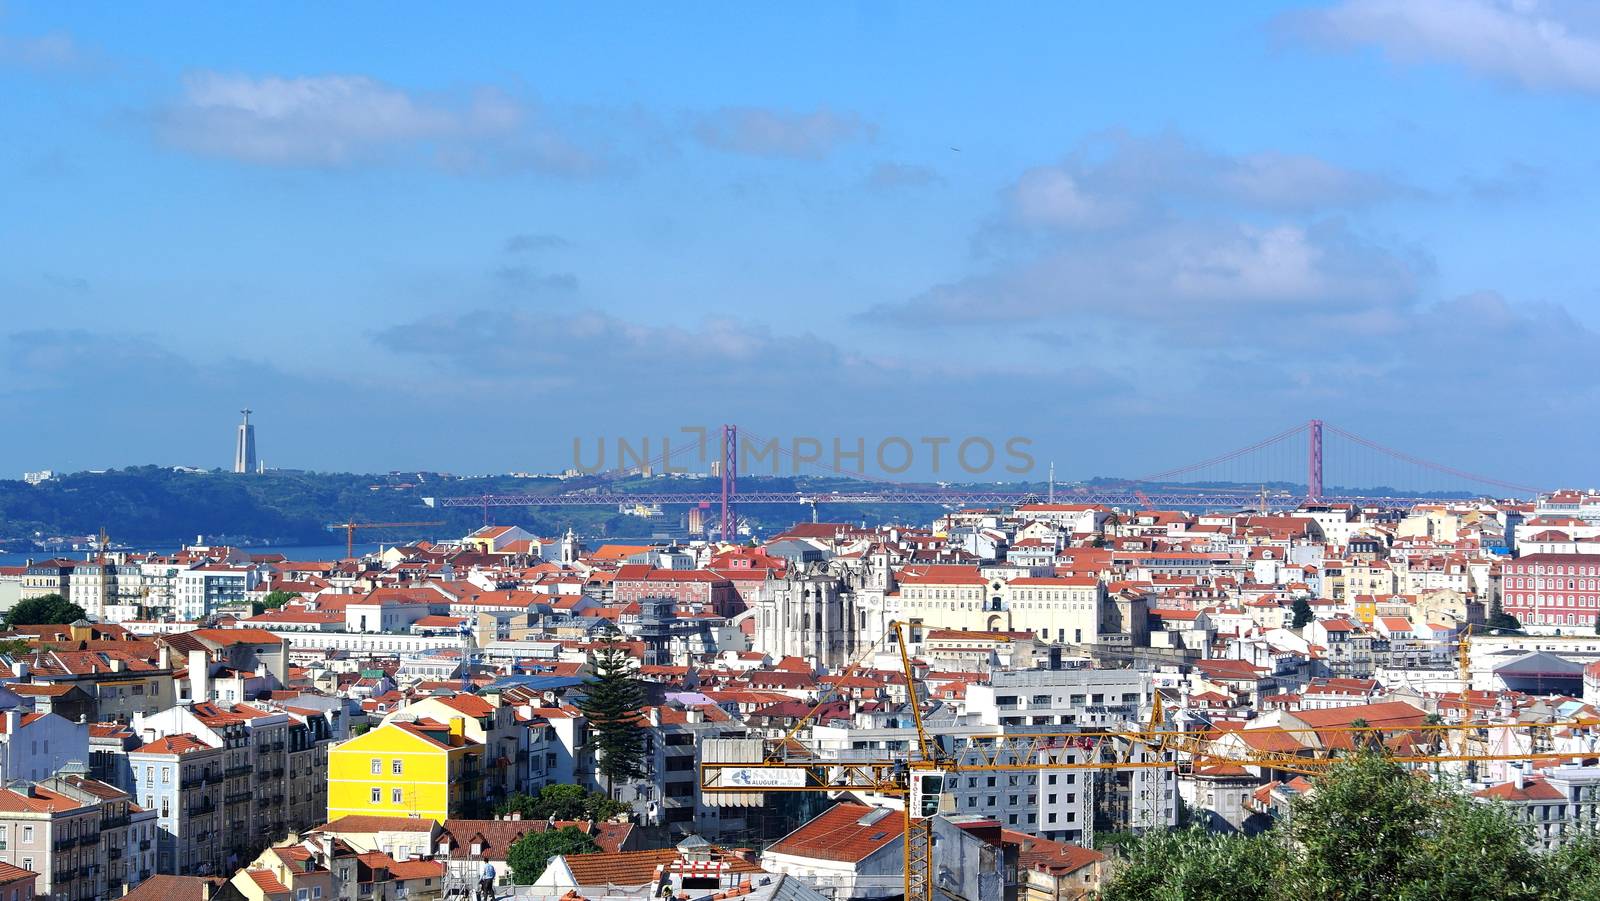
1429,464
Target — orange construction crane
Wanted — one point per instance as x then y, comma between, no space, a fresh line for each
919,775
350,528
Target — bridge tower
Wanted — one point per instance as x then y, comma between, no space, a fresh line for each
1314,460
730,480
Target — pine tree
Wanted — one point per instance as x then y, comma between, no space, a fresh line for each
1302,613
612,702
1499,619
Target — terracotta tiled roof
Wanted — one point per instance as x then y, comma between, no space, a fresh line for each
417,869
1053,857
471,705
268,882
365,823
163,887
1533,790
847,832
635,867
226,637
494,836
174,744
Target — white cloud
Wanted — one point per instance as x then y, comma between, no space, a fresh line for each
758,131
1052,197
1162,231
1112,177
1190,277
1532,44
341,120
331,120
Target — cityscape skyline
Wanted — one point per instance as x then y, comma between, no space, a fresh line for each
1265,215
861,452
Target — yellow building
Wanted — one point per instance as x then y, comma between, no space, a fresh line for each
423,768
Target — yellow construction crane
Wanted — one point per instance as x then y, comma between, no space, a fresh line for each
919,776
350,528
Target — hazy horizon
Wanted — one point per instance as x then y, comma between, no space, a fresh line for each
459,239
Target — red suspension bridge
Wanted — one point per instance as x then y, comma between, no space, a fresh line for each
1293,468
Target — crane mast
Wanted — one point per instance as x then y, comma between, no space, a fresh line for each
350,527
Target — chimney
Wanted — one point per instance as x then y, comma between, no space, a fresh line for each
19,669
13,720
458,726
655,716
1516,776
199,675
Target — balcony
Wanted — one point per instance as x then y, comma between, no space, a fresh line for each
200,810
113,854
237,798
114,822
144,845
213,777
239,771
64,875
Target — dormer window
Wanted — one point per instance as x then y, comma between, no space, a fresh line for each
477,848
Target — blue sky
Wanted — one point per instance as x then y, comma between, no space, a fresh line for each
427,237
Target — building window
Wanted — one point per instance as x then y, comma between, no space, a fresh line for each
377,795
377,766
395,796
396,768
27,835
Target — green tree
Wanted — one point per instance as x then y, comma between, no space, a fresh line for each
561,802
13,647
1499,619
1302,613
1572,872
530,854
45,610
1360,830
1371,830
1196,865
276,599
1475,850
612,698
